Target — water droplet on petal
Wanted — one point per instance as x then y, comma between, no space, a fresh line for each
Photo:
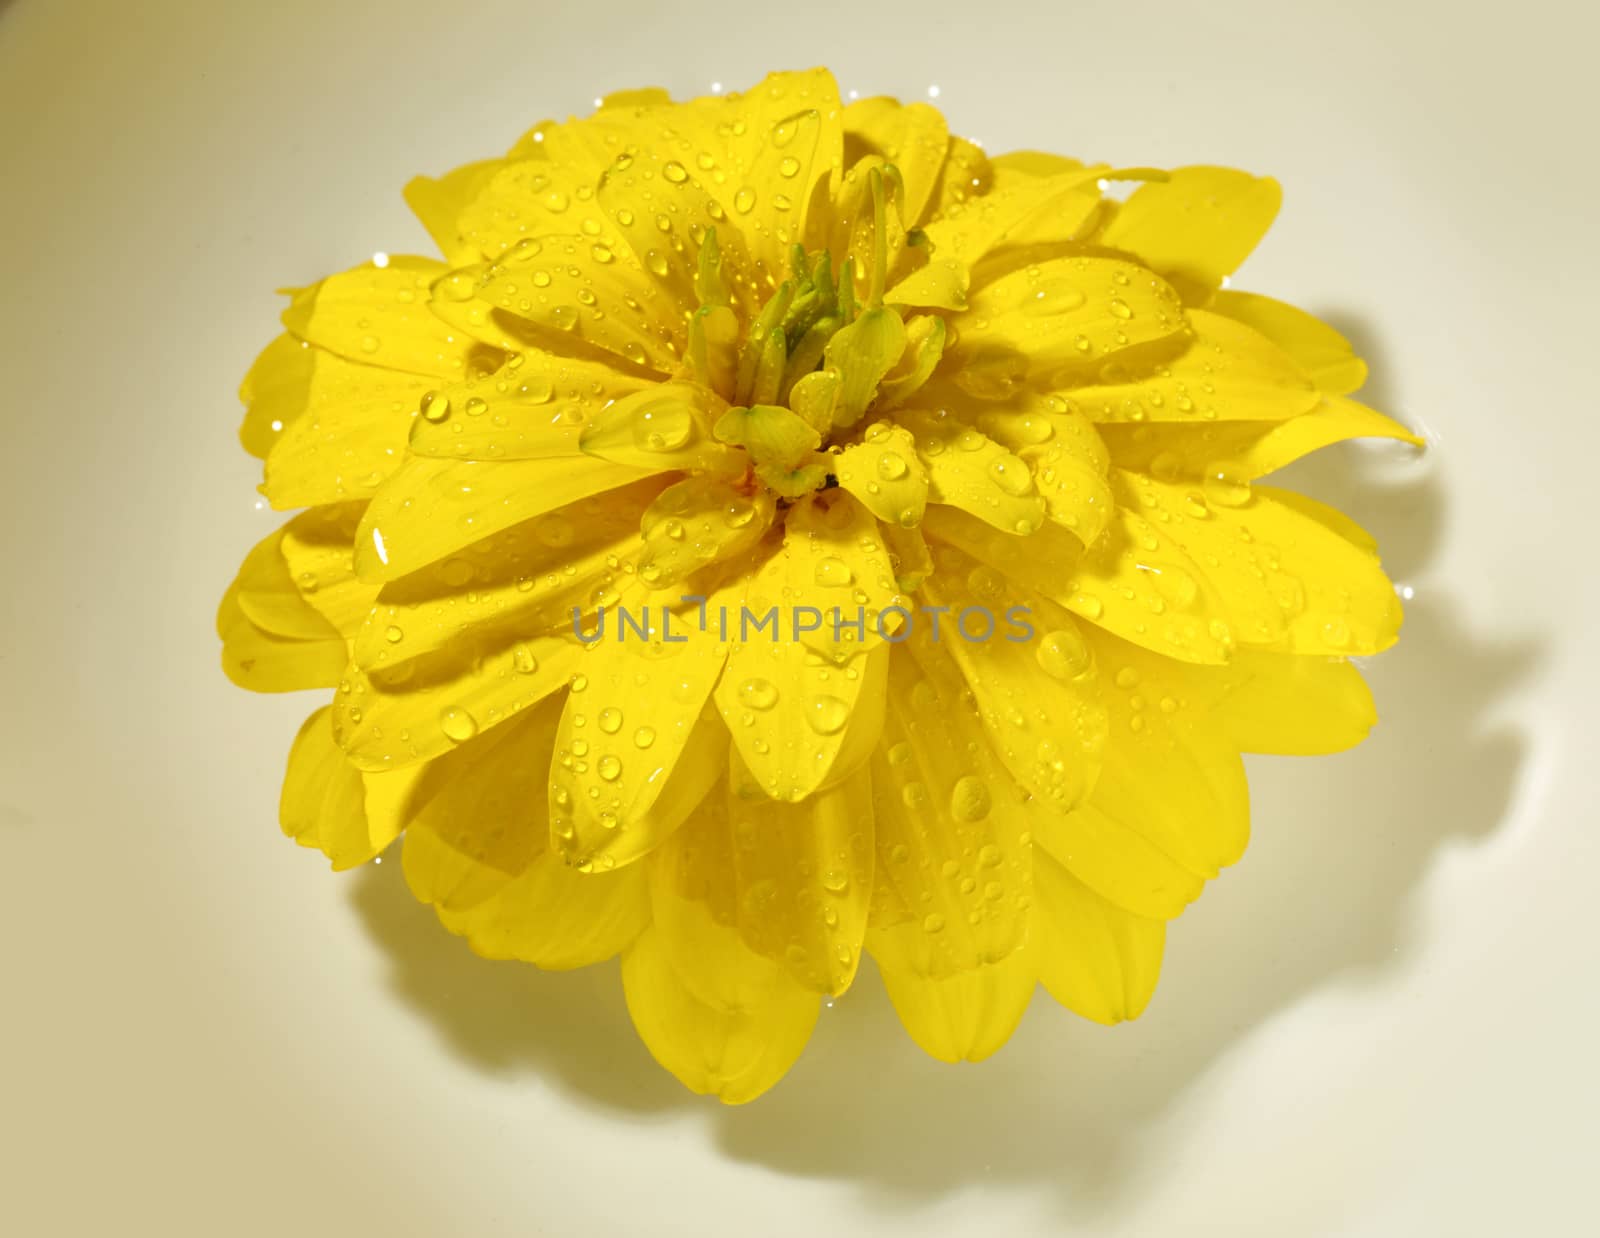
457,724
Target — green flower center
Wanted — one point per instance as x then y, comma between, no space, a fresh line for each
814,361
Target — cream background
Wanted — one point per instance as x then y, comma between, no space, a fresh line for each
1381,1023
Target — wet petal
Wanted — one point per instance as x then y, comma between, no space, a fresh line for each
318,552
481,819
533,407
431,508
342,428
1290,578
1050,208
969,471
580,287
914,138
798,717
694,900
528,579
1031,680
885,473
664,426
952,866
424,707
1059,319
1228,372
804,876
379,316
699,521
634,704
1115,583
555,917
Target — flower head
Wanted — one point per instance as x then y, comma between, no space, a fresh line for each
776,531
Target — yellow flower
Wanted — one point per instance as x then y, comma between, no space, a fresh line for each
831,370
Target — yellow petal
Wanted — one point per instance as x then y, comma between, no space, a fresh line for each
1228,372
663,209
347,432
555,917
666,426
531,198
863,353
1252,448
965,177
694,901
1096,959
274,392
323,800
798,718
779,139
970,472
732,1056
941,284
431,508
968,1015
269,598
533,407
481,819
885,473
952,866
585,288
256,659
633,706
1198,225
529,579
804,876
1170,774
1020,656
1289,575
1062,450
1118,862
438,203
699,521
1294,706
837,562
318,551
1059,320
1043,208
424,707
379,316
1116,583
913,138
266,661
1317,348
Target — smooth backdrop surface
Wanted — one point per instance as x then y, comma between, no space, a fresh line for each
1381,1023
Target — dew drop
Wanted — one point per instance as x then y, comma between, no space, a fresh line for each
663,425
826,715
832,571
758,693
609,768
969,799
1063,654
457,724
